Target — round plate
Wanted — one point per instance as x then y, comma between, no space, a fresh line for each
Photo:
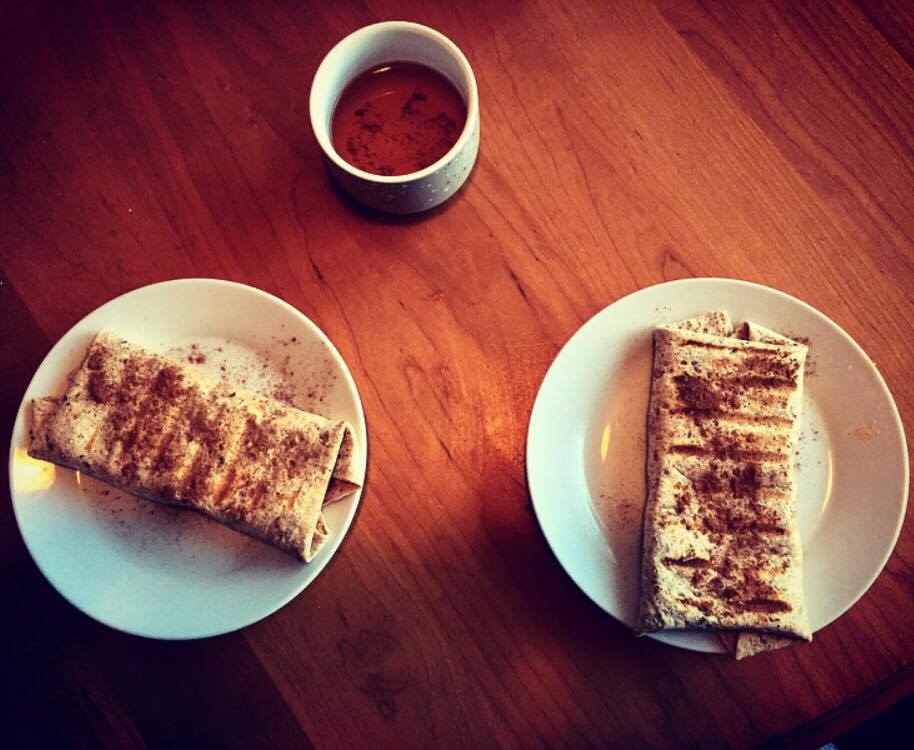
587,437
149,569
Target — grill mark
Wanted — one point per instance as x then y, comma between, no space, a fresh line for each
166,458
119,417
695,392
255,441
92,439
769,606
163,461
771,364
272,482
734,455
130,381
767,528
298,462
129,471
720,391
225,488
133,398
688,562
755,348
256,498
758,381
201,430
248,434
152,419
245,491
727,514
129,439
132,403
281,466
153,432
194,486
195,407
774,493
739,483
98,386
728,442
705,607
712,345
96,360
735,416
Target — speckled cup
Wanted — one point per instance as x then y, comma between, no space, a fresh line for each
371,46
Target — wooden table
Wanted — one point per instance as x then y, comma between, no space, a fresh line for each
623,144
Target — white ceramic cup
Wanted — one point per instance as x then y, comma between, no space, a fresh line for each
371,46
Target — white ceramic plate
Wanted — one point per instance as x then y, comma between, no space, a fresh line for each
586,443
156,571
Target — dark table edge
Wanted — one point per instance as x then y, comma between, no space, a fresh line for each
849,715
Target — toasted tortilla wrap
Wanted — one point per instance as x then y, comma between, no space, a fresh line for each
721,548
164,432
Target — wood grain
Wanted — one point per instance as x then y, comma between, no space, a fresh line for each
623,144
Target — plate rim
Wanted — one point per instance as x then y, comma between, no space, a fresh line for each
893,410
335,541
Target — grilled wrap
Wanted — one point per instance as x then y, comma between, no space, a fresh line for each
162,431
720,545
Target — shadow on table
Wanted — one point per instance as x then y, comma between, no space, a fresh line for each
516,544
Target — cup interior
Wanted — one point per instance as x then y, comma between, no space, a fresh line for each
371,46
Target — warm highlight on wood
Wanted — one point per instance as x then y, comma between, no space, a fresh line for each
623,144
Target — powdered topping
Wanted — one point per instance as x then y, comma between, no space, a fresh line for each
165,432
720,542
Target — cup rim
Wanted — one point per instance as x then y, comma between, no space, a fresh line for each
322,133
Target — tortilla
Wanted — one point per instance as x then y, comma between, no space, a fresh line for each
747,643
721,548
164,432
